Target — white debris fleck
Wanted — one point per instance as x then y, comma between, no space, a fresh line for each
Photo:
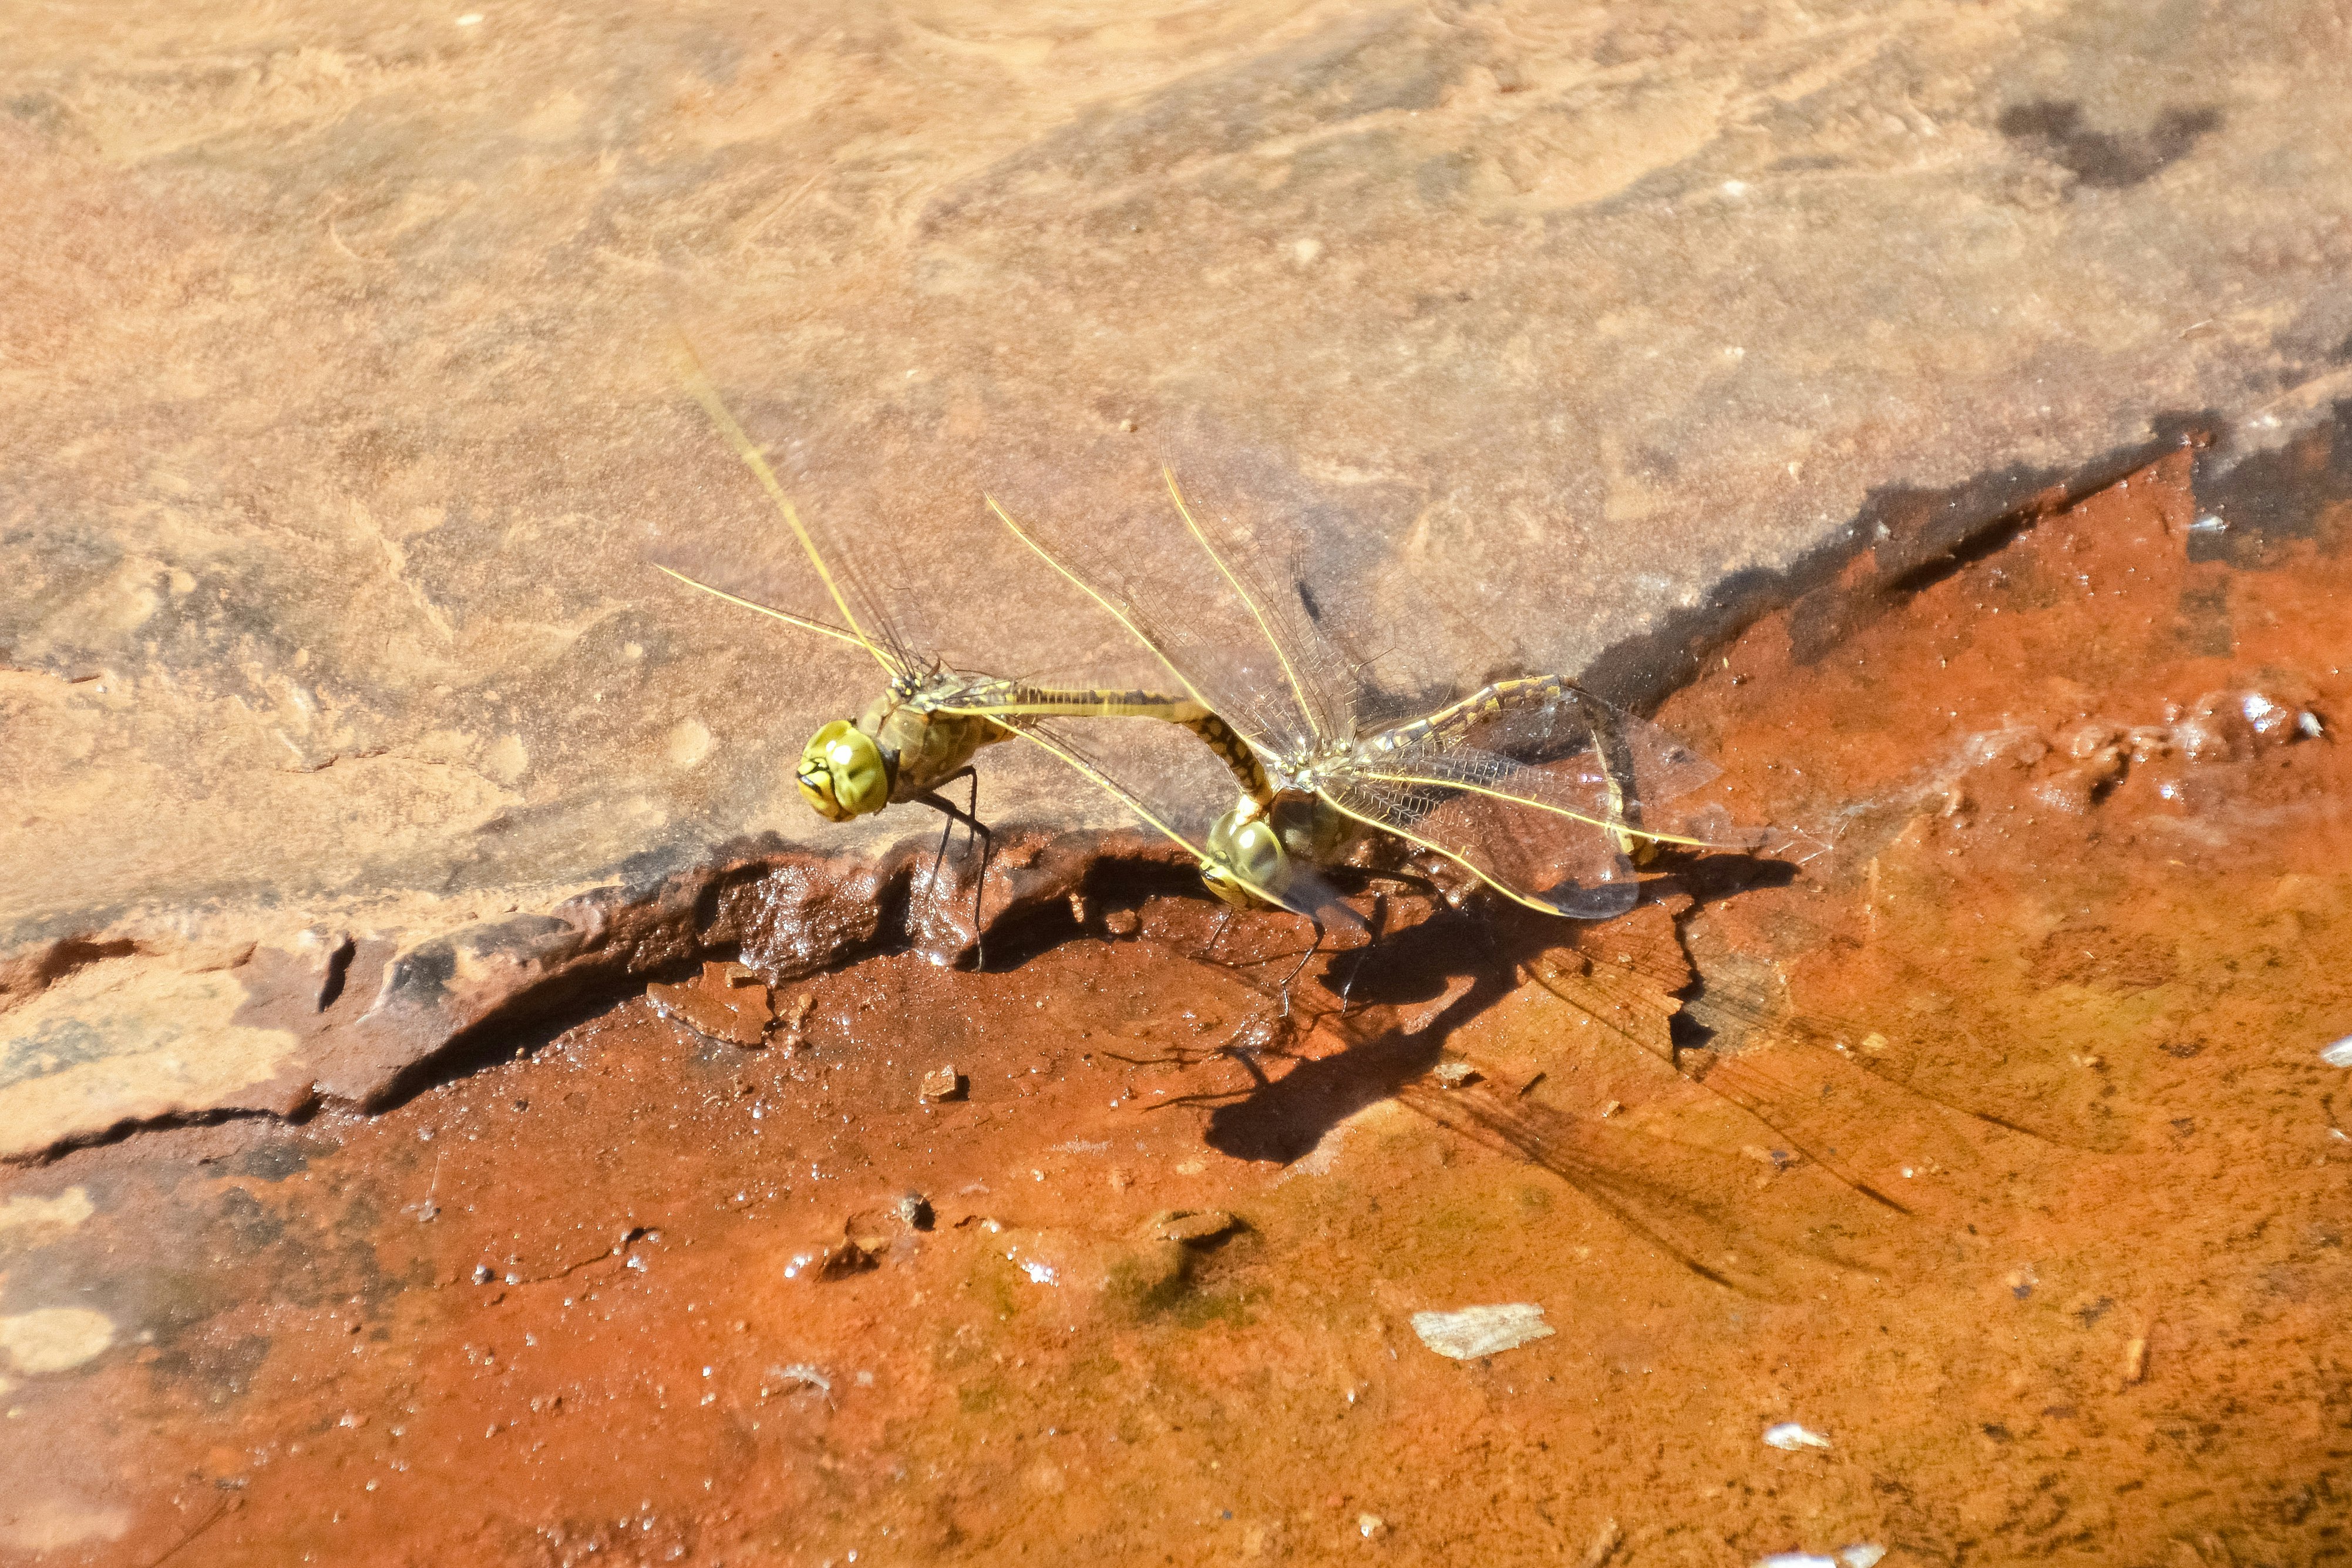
1862,1554
2338,1055
1791,1435
799,1375
1474,1331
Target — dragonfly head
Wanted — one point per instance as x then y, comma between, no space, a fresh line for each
1245,860
843,773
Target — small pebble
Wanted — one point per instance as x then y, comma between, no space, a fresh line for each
1191,1224
942,1083
1862,1554
1474,1331
1792,1437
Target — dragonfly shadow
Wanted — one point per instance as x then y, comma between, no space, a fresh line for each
1694,1202
1711,879
1283,1119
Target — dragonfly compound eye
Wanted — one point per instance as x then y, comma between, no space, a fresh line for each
1247,861
843,773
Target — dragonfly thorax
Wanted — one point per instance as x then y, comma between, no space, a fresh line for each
1308,772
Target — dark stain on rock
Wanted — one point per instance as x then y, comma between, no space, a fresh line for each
222,1368
2101,158
277,1159
251,1229
58,1046
1904,539
2098,956
2264,500
2204,625
422,972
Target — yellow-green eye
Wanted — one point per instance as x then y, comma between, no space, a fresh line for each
843,773
1245,860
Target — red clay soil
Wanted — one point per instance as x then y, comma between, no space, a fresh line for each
1993,1171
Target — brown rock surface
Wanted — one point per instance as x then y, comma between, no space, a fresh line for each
1974,1195
338,418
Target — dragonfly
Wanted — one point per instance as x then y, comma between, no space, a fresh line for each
1454,784
919,735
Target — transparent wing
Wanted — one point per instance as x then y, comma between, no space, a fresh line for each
806,623
1553,835
1154,583
1540,835
1320,680
1642,767
762,568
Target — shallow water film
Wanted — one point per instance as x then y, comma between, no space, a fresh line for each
1963,1183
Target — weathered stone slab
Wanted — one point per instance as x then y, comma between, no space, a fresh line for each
339,418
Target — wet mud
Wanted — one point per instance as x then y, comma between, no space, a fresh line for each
1965,1185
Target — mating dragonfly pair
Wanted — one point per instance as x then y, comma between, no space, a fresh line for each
1537,789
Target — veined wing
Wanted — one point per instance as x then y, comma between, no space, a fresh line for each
1461,805
1553,837
870,622
1190,624
1319,679
806,623
1646,767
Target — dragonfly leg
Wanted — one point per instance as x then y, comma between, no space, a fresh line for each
1379,918
1303,960
1224,921
970,817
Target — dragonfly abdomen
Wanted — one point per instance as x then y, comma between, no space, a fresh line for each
1239,757
1451,726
